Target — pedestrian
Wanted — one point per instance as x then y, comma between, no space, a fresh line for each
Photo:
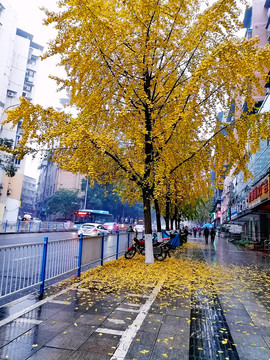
194,231
212,234
200,231
130,229
206,234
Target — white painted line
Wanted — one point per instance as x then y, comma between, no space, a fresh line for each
34,306
131,331
14,302
110,331
28,321
60,302
116,321
138,295
83,289
128,309
131,304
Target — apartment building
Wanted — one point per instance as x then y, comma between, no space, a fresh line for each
28,196
18,67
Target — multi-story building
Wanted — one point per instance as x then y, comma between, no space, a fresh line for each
51,179
28,196
18,65
248,202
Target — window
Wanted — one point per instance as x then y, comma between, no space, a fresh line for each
27,88
30,73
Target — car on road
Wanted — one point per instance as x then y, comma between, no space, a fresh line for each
139,228
92,229
111,226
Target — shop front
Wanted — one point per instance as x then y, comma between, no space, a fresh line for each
257,226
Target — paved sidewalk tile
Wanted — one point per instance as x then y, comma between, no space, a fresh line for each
89,325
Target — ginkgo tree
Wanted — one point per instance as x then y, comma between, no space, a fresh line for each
147,78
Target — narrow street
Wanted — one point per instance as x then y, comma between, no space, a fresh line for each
206,302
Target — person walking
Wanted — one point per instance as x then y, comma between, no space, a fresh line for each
212,234
206,234
194,231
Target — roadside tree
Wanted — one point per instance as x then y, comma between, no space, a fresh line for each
148,78
64,202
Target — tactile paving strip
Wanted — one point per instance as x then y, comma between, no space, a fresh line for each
210,337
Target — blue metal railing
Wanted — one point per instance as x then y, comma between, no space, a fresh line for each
27,265
34,226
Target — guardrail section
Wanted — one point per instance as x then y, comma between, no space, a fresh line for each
27,265
20,267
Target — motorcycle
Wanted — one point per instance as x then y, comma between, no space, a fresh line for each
137,246
160,250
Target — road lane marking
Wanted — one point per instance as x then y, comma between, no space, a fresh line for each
110,331
34,306
60,302
138,295
128,309
116,321
131,304
132,330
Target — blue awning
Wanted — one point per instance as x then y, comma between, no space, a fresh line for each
247,18
267,4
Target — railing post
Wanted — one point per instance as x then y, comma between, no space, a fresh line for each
117,244
128,240
19,225
43,266
6,224
29,227
102,249
48,225
80,255
39,227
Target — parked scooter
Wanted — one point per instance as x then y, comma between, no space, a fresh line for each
160,250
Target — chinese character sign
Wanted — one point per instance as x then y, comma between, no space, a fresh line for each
259,194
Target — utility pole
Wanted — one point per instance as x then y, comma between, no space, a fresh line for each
86,190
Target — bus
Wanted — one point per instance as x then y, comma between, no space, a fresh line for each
91,216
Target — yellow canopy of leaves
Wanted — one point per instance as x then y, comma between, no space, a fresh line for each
148,79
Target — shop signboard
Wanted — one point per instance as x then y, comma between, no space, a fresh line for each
259,193
234,211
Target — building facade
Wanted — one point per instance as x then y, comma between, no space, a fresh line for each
247,203
28,196
18,66
51,179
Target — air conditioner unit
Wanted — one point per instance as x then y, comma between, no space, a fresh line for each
10,93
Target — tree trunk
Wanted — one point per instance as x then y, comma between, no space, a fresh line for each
171,223
167,215
149,257
157,215
157,209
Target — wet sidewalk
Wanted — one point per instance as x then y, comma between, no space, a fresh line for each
194,320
